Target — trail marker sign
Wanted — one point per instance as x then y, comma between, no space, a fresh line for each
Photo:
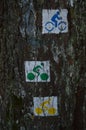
37,71
45,106
54,21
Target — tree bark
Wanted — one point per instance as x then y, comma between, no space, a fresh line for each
21,40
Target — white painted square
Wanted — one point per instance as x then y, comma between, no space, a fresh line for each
37,71
45,106
54,21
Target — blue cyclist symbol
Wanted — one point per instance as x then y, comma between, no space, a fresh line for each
55,22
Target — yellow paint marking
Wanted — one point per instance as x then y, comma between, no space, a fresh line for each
38,111
51,111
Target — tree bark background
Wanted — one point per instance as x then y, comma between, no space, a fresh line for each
66,53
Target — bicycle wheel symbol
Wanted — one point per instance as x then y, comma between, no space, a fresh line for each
44,76
31,76
49,26
50,111
62,26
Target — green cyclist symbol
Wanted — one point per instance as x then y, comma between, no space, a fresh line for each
36,70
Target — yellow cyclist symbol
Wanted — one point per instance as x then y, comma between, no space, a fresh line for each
45,107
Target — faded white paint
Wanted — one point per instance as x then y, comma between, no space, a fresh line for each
72,3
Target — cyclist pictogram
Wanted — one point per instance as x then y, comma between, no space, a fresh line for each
46,106
55,22
36,72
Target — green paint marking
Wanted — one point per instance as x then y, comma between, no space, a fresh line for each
44,76
30,76
36,69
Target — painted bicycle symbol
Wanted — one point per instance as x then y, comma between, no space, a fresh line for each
36,72
55,22
45,107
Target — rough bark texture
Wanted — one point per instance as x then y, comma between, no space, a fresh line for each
66,53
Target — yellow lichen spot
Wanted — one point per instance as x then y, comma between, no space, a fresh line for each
38,111
51,111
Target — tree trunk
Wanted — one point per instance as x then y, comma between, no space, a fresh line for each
21,40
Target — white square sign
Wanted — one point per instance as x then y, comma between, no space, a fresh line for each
37,71
45,106
54,21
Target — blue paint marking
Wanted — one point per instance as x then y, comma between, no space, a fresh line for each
49,26
55,18
55,22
